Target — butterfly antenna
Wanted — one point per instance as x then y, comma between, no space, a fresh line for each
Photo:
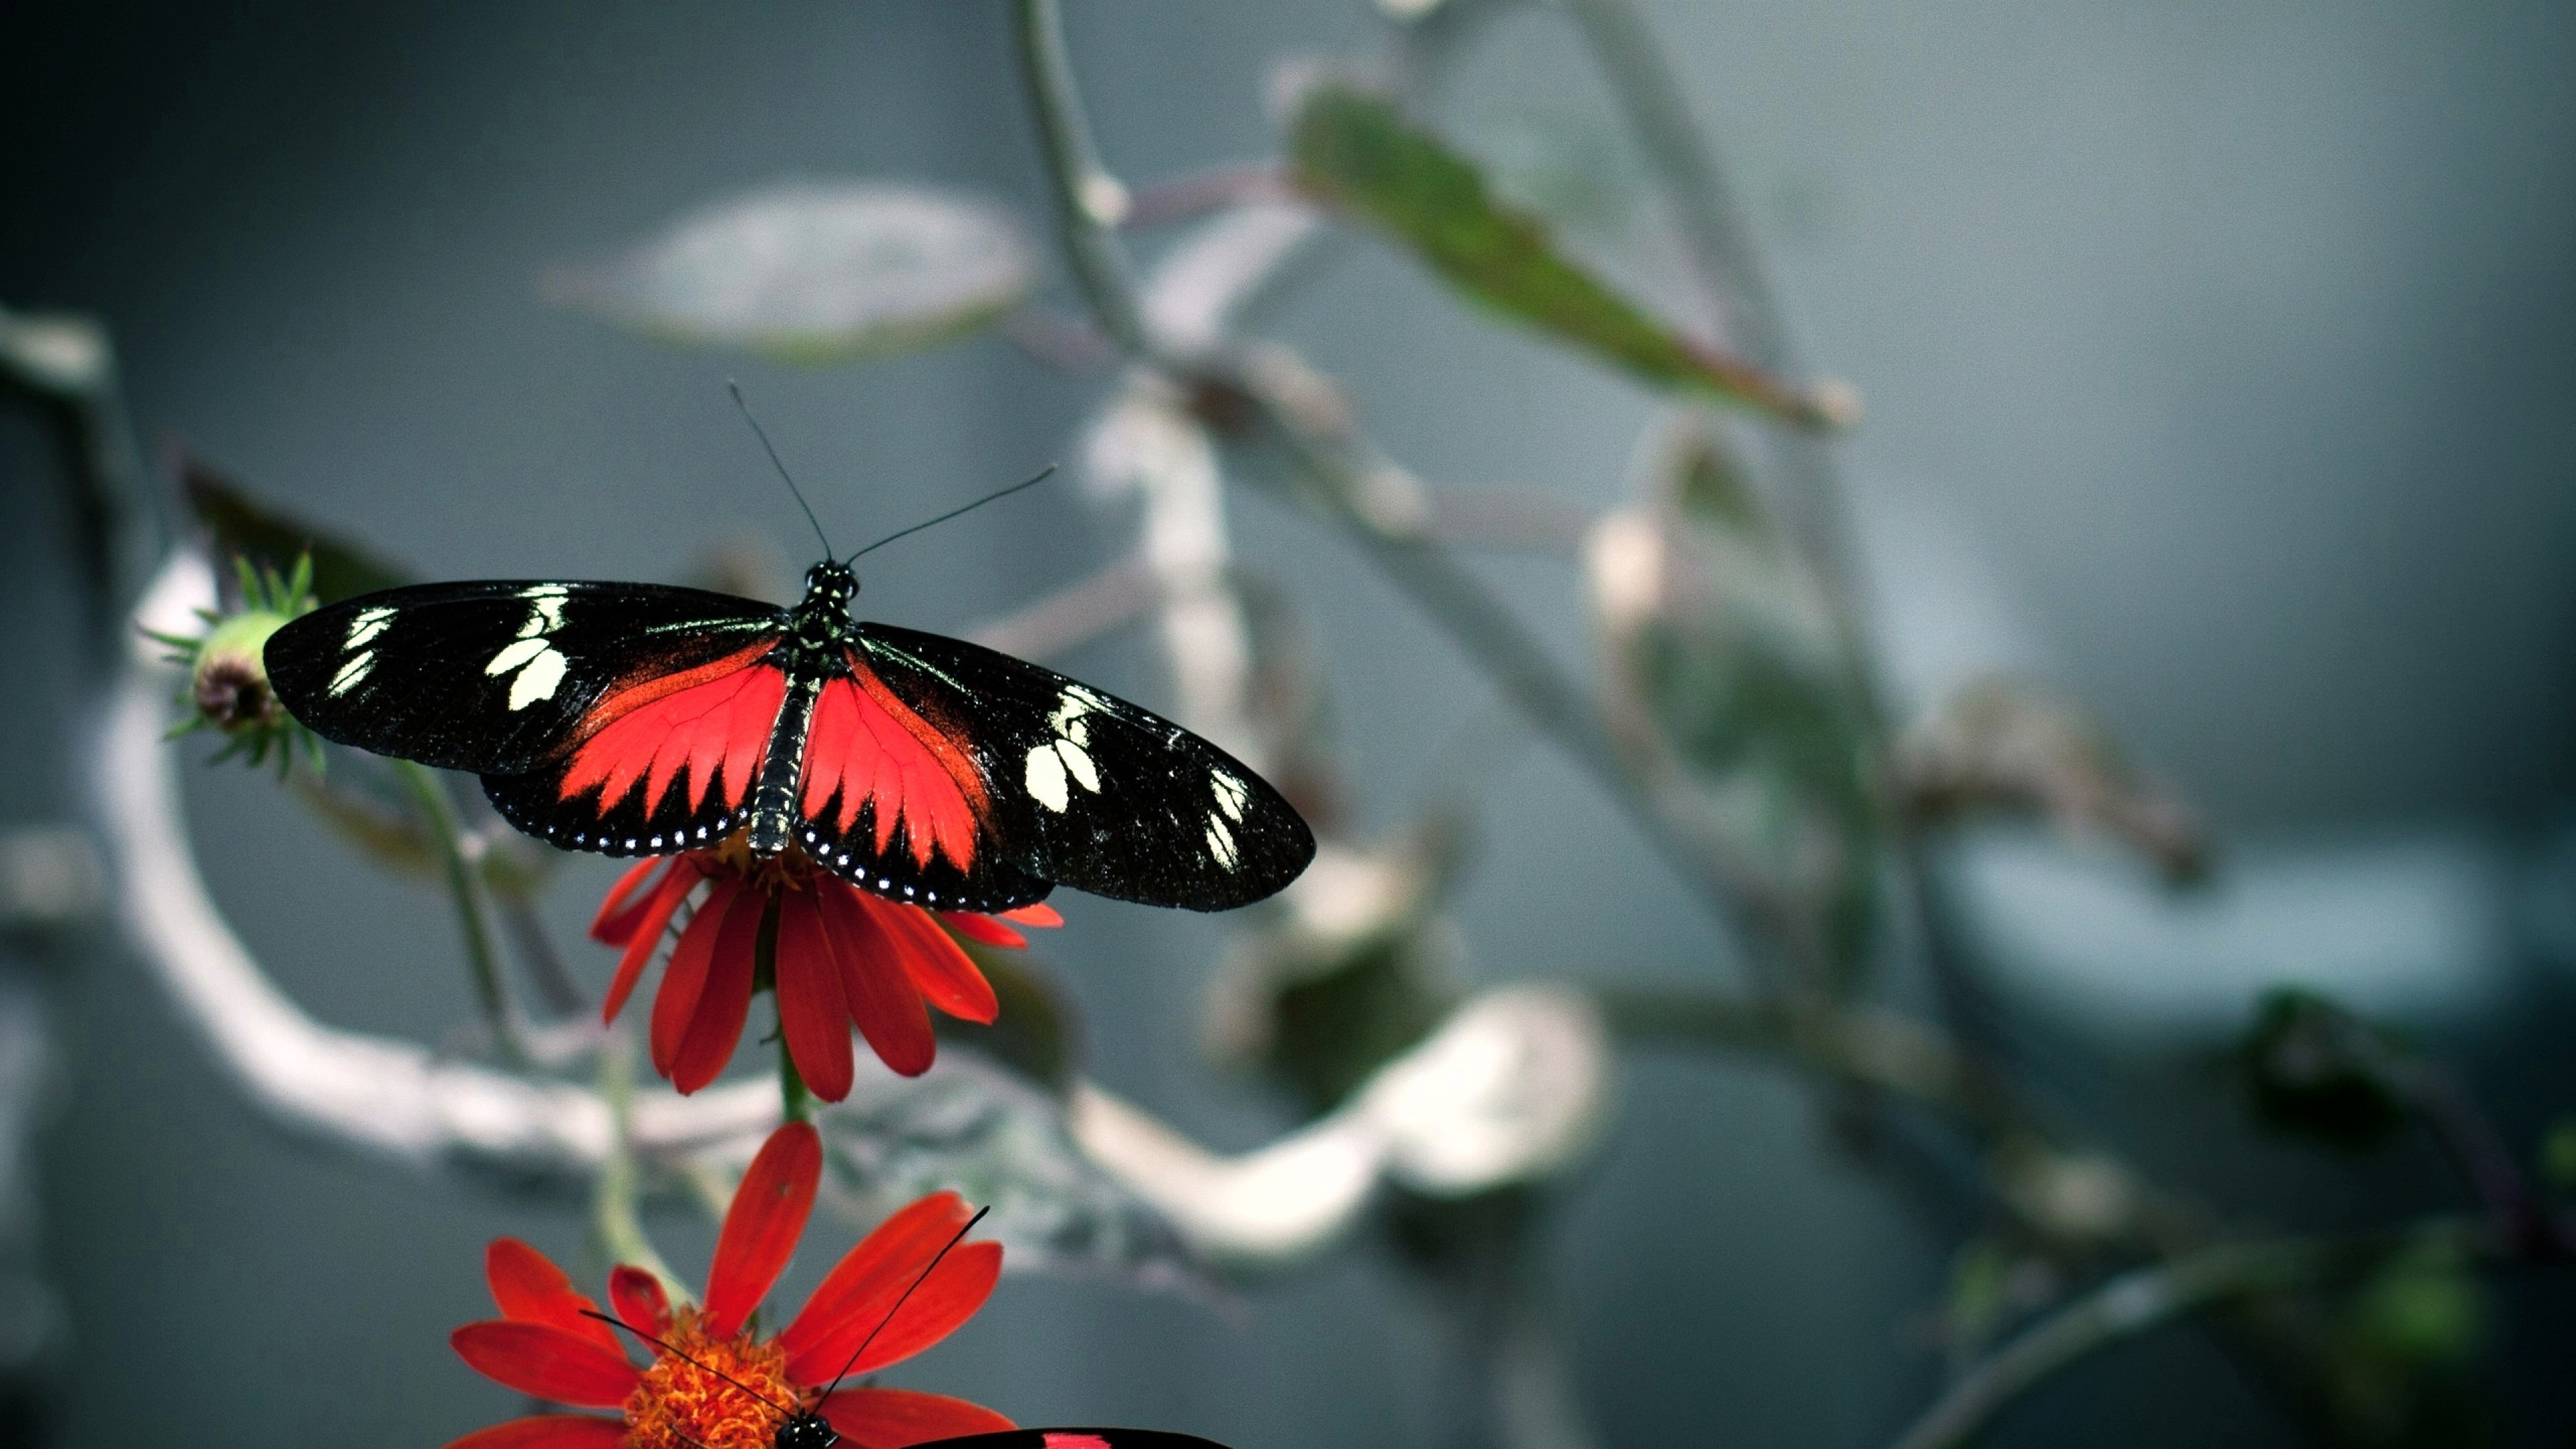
952,513
925,1273
771,449
686,1359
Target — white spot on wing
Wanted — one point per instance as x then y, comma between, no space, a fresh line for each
516,655
1230,794
1220,842
1045,779
367,625
351,672
538,680
1078,762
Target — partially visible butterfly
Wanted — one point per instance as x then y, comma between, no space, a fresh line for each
635,719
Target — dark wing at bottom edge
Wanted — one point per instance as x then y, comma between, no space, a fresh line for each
1076,1439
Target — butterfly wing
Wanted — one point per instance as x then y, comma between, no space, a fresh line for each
1055,779
1074,1439
496,677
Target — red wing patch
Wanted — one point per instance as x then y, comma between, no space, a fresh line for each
714,721
870,746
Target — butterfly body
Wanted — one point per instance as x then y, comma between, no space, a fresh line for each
631,719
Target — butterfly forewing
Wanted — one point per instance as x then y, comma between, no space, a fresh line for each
1086,790
499,678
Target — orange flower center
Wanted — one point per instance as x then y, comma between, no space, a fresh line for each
684,1405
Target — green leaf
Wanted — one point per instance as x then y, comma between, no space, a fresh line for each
2317,1072
1351,150
816,272
1724,695
263,537
1035,1034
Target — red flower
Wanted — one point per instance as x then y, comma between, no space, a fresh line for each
544,1346
843,956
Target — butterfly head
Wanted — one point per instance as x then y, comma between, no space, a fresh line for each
806,1430
829,586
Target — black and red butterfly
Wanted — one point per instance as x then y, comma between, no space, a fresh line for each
635,719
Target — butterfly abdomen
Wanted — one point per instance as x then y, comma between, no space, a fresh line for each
773,798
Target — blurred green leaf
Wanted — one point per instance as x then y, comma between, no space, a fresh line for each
2401,1351
242,527
2004,747
816,272
2558,1154
2318,1073
1035,1034
1357,969
1350,149
1723,692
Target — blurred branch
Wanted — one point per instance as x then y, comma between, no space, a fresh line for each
1187,197
1089,201
2135,1302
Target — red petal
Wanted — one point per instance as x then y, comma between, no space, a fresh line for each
647,937
983,928
760,1229
881,995
548,1431
898,1418
615,923
863,1287
531,1289
811,1010
945,974
641,1303
1036,913
715,1027
547,1362
684,980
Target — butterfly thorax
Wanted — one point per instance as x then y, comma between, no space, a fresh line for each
814,651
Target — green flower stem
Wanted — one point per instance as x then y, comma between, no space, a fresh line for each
464,889
795,1099
615,1199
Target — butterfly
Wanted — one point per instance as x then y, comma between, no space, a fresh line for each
637,719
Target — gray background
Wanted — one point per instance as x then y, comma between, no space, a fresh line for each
2233,337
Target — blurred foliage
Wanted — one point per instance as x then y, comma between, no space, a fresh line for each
2316,1072
1036,1032
2011,748
238,525
816,272
2401,1344
1352,150
1725,692
2558,1154
1358,970
1002,1142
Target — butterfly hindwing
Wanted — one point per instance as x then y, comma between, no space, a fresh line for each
495,677
1086,790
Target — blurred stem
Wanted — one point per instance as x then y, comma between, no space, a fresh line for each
2135,1302
614,1202
1089,202
465,892
2483,1160
1728,267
